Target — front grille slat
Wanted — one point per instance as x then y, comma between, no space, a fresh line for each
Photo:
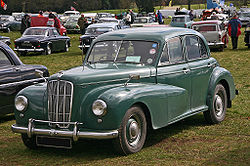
60,97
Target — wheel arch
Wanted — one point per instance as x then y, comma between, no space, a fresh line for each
146,112
224,83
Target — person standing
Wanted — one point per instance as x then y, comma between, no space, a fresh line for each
234,26
160,21
128,19
191,15
25,23
82,21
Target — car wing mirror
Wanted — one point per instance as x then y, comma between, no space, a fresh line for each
39,73
132,77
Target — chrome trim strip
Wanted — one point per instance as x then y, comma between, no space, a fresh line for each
82,46
29,49
181,71
75,134
21,82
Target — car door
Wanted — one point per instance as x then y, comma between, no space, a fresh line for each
173,70
9,78
58,41
200,70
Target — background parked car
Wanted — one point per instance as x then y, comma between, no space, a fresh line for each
67,14
247,35
214,31
141,21
8,23
41,39
93,31
71,24
181,21
244,18
14,76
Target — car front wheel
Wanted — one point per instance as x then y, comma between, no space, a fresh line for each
29,142
132,131
217,113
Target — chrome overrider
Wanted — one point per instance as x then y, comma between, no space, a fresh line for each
75,134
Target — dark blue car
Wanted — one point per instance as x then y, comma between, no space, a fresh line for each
41,39
14,76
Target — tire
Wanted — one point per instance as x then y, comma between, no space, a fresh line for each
66,49
132,132
29,142
217,113
48,50
7,30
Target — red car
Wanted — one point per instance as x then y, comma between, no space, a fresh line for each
45,21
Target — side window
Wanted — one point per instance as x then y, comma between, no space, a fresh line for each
175,50
4,61
55,32
195,48
164,57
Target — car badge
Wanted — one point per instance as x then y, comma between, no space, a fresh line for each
60,74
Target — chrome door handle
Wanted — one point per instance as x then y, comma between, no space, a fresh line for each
185,71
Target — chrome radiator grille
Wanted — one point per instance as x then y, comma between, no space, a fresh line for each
60,97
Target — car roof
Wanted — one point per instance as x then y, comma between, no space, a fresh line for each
158,34
96,25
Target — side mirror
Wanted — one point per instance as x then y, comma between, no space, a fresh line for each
132,77
39,73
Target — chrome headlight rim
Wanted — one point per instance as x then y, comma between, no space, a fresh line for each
21,103
99,107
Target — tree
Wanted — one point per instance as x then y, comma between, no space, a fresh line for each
145,5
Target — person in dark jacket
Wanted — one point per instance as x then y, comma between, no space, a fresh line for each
82,22
25,23
234,26
160,19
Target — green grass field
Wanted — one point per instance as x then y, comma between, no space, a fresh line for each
188,142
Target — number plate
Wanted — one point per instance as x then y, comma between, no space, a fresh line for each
54,142
26,44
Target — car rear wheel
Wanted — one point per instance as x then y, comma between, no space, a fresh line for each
48,50
66,49
217,113
29,142
132,131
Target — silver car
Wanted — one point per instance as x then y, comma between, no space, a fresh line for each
214,31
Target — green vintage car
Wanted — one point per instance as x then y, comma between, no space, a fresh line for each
131,80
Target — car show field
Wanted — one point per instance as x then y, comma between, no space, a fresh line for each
188,142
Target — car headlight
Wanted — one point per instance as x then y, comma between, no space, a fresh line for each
21,103
99,107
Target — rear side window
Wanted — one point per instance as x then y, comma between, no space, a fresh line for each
4,61
195,48
174,46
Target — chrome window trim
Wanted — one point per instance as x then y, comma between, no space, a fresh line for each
21,82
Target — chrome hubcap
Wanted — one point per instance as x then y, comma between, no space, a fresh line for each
218,105
48,49
134,132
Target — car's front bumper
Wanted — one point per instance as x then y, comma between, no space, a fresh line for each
75,134
29,49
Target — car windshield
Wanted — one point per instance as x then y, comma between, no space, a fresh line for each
178,19
35,31
98,31
141,20
137,52
205,28
72,20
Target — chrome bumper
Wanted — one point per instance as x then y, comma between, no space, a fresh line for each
86,46
75,134
216,44
29,50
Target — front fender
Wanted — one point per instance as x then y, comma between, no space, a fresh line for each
120,98
224,77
